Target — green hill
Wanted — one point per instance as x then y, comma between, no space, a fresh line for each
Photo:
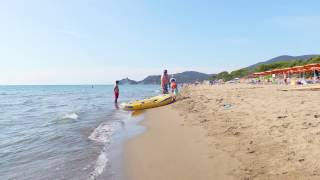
184,77
283,58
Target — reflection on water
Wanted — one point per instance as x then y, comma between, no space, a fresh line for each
116,105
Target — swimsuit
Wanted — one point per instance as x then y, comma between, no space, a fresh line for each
116,92
116,95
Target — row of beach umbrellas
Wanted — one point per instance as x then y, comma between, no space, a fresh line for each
292,70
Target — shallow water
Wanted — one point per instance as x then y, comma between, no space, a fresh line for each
64,132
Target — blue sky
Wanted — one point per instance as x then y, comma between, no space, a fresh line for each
98,41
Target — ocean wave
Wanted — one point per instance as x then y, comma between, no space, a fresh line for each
100,165
7,105
73,116
102,133
52,106
16,102
80,98
56,106
31,110
27,102
10,104
67,118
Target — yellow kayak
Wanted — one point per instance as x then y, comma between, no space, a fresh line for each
152,102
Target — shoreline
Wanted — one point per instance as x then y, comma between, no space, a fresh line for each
127,128
172,149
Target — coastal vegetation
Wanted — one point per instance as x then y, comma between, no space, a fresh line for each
227,76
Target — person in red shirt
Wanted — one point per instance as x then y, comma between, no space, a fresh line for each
165,82
116,92
174,87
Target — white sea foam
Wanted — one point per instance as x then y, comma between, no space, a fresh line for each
99,166
73,116
67,118
122,105
101,134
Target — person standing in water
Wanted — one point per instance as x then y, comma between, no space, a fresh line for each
164,82
116,92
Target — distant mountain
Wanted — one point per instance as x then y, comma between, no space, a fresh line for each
184,77
127,81
283,58
191,76
153,79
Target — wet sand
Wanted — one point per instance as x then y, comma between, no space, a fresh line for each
173,150
230,132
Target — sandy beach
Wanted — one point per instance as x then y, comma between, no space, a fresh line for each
230,132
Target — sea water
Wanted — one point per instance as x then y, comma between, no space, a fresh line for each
65,132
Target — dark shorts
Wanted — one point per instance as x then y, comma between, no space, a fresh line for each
116,95
165,89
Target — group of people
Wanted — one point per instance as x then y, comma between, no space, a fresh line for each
165,80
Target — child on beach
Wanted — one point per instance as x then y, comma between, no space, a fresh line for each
116,92
174,87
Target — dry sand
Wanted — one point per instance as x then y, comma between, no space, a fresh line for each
230,131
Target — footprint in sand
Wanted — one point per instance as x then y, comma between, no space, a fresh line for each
276,131
204,120
307,125
219,100
282,117
285,125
